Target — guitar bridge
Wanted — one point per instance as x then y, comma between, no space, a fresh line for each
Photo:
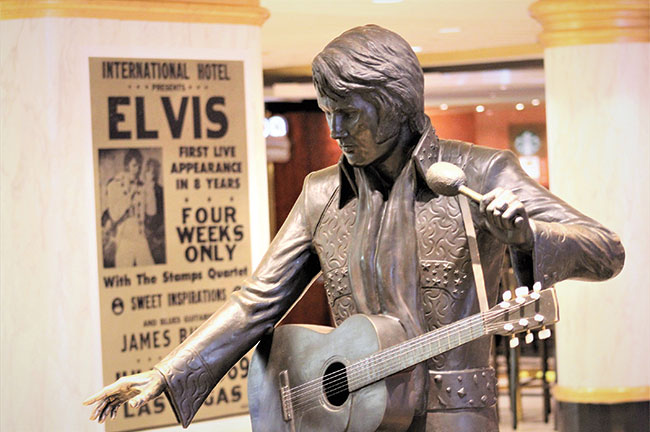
285,397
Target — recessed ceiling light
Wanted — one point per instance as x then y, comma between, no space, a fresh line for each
444,107
449,30
480,108
535,102
519,106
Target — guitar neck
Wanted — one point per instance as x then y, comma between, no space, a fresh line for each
406,354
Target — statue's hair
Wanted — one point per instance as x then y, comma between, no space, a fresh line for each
377,64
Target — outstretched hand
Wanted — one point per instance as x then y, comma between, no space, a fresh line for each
138,389
506,218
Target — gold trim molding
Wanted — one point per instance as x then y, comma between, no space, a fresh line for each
610,395
433,59
247,12
481,55
583,22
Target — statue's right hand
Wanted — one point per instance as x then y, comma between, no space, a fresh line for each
138,389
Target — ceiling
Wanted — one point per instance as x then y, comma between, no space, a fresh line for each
473,51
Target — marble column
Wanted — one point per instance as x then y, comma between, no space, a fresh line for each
597,67
50,331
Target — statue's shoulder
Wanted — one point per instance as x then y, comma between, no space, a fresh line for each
319,189
325,175
476,161
322,183
462,153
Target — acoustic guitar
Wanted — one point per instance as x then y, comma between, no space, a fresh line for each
356,377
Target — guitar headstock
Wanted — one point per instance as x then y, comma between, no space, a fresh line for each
527,311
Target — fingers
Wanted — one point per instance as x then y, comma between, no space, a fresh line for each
502,208
139,388
140,400
104,393
488,198
97,396
106,411
512,216
108,400
107,408
92,399
114,411
519,222
99,409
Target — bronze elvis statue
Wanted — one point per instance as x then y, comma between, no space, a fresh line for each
386,244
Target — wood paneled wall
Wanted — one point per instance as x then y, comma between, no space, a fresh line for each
311,149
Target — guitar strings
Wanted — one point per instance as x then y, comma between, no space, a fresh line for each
340,386
439,334
381,363
313,401
338,379
351,369
305,399
379,360
354,370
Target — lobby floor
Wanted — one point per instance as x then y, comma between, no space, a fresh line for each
532,410
532,403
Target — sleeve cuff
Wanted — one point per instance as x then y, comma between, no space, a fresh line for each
189,382
549,258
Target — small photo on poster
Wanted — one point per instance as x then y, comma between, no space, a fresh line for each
132,209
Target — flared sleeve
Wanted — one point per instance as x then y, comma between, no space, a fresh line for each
195,367
567,244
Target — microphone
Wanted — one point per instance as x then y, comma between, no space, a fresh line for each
447,179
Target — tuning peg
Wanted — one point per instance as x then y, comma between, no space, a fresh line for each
537,286
507,295
520,300
504,304
529,337
535,295
544,333
508,327
514,341
521,291
523,322
539,318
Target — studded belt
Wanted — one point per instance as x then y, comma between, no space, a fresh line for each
471,388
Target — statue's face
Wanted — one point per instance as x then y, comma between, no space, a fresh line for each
358,127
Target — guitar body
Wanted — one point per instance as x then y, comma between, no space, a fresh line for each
307,353
313,378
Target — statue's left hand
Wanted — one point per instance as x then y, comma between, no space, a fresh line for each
507,219
139,389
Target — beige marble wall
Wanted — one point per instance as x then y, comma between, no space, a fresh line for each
48,266
598,119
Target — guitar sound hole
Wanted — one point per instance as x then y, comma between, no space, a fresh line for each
335,384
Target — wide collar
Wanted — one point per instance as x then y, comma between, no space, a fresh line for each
425,153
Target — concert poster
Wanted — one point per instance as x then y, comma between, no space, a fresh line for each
172,215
